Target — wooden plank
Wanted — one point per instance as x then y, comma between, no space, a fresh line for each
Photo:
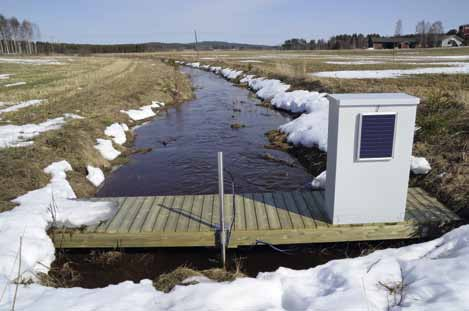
155,209
282,211
421,212
440,208
313,202
163,216
207,211
251,219
240,223
295,216
194,222
131,214
271,210
308,218
228,204
186,213
142,214
116,221
174,213
261,214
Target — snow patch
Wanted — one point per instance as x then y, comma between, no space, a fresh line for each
30,61
20,105
143,112
105,147
250,61
319,182
21,135
300,101
267,88
230,74
419,165
95,175
117,132
4,76
391,73
15,84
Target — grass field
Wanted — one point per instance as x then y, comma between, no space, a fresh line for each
443,114
96,88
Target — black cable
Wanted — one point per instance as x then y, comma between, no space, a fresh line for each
283,251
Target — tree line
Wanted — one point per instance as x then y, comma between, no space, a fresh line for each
427,34
18,37
343,41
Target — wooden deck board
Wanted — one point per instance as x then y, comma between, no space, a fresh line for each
277,218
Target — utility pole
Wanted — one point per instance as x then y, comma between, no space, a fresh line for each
195,46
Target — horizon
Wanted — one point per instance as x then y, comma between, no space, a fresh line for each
258,22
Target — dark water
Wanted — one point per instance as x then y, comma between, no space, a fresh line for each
185,140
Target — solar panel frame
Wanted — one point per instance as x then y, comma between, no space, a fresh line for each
359,156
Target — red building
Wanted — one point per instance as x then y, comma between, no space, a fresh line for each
464,31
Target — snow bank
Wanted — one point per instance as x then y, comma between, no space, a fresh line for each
15,84
143,112
20,135
105,147
419,165
391,73
433,276
30,61
300,101
267,88
247,78
20,105
319,182
95,175
215,69
117,132
36,212
309,129
230,74
4,76
194,65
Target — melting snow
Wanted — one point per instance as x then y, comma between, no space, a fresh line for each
419,165
37,210
392,73
4,76
144,112
319,182
20,105
15,84
31,61
21,135
117,132
105,147
95,175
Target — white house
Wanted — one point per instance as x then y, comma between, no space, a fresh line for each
451,41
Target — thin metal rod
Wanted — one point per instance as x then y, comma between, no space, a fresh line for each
221,193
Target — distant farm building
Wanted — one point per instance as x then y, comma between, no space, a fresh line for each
394,42
464,31
451,41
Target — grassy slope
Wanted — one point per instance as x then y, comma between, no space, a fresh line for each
443,114
96,88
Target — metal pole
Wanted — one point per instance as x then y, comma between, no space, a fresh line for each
222,210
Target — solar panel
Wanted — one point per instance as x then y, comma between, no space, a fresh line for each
377,136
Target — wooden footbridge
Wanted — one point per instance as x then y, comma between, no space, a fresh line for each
277,218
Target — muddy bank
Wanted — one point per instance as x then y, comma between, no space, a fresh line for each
99,268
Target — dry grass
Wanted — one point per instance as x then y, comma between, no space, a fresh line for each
166,282
443,114
96,88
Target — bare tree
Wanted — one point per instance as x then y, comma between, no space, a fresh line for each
5,33
422,29
435,32
27,34
36,35
15,31
398,28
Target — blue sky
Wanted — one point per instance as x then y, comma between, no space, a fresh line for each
250,21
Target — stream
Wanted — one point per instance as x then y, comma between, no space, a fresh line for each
185,140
